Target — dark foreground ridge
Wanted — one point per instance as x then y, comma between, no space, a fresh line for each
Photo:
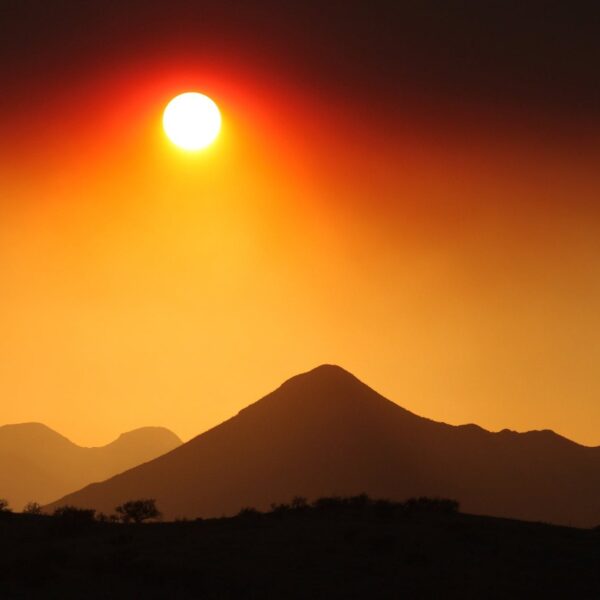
325,432
333,548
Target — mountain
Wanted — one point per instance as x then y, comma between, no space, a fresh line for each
38,464
324,432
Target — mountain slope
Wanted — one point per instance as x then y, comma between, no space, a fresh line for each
324,432
36,463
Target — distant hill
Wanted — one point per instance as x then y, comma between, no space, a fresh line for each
38,464
324,432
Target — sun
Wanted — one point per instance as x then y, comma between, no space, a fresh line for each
192,121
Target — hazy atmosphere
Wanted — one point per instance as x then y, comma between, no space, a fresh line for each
415,201
299,299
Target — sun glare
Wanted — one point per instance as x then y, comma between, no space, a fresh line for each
192,121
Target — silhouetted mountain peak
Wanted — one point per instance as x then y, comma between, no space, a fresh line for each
324,378
151,434
325,432
31,432
37,463
327,370
325,393
32,427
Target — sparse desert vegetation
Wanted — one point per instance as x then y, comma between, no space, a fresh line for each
332,547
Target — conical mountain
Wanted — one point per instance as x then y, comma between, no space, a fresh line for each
325,432
38,464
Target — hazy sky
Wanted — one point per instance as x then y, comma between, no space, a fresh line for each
409,190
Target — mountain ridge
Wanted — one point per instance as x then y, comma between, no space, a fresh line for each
39,464
325,432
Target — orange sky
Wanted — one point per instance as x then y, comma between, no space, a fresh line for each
452,267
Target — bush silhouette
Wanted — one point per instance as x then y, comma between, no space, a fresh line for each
299,503
362,504
438,505
329,504
70,519
280,509
102,517
75,515
138,511
248,512
32,508
4,506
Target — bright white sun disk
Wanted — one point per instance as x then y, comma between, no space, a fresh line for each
192,121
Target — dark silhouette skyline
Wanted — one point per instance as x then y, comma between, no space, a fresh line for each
336,547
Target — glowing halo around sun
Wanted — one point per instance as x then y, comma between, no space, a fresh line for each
192,121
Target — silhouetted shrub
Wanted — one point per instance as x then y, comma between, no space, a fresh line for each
249,512
438,505
138,511
359,503
74,513
104,518
356,505
71,519
329,503
299,503
280,510
32,508
4,506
